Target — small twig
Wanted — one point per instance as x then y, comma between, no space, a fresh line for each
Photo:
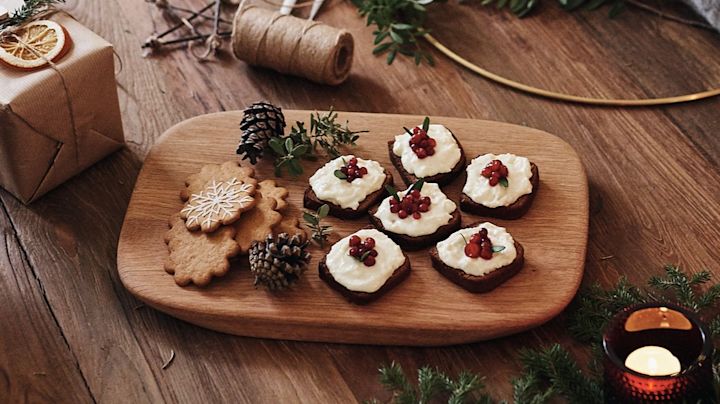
203,16
183,22
607,257
182,40
170,359
671,17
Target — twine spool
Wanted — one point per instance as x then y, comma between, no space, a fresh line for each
292,45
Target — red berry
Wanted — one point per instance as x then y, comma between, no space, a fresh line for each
486,254
369,261
430,151
415,194
425,200
494,181
503,171
363,170
402,214
353,161
417,215
369,243
423,208
421,153
355,240
483,232
472,250
373,253
495,164
394,208
475,238
353,251
424,143
351,172
432,142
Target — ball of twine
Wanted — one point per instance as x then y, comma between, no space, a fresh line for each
292,45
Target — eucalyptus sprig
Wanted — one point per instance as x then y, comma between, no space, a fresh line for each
28,10
313,220
399,27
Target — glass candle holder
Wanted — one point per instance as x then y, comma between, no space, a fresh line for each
657,353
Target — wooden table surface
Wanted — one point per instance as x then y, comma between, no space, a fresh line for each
70,332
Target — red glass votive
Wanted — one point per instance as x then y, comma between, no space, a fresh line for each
662,325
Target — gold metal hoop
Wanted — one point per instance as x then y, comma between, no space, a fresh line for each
567,97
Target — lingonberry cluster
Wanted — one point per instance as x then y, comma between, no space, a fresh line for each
411,204
363,250
351,171
479,245
495,171
422,144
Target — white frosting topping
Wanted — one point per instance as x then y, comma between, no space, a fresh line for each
345,194
355,275
452,250
478,188
447,153
439,214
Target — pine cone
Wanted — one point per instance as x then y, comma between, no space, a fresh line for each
261,122
278,262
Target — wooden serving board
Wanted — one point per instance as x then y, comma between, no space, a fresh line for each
426,309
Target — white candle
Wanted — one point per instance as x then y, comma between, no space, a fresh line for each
653,361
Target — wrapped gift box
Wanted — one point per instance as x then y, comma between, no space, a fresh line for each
54,123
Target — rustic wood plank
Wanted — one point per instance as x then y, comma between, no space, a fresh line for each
36,363
653,176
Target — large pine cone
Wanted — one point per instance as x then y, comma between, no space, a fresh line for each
278,261
261,122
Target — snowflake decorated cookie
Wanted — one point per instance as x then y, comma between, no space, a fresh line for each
220,203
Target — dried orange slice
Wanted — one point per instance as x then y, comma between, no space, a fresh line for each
39,41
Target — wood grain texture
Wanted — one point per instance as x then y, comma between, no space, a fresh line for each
426,303
654,176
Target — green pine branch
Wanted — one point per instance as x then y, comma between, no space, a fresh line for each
28,10
551,373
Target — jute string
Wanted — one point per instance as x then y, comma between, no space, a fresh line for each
291,45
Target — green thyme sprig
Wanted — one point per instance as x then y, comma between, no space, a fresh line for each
313,220
325,134
28,10
398,27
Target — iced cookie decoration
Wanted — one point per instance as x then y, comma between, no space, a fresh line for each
364,266
478,258
349,185
220,203
429,151
417,217
502,186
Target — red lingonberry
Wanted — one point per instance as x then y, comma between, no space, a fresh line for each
472,250
355,240
369,261
402,214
